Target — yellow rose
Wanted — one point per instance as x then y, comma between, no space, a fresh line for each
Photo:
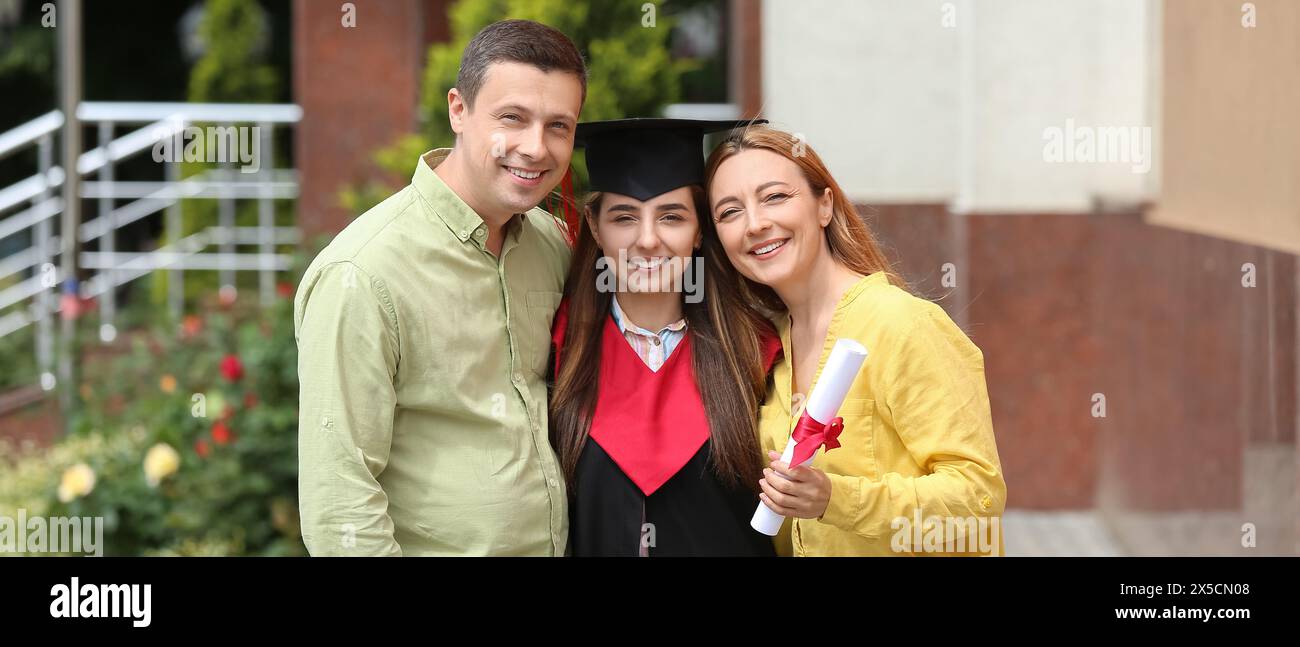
161,461
77,481
215,405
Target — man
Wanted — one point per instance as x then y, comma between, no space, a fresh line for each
423,329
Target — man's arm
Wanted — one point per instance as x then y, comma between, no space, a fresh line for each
347,358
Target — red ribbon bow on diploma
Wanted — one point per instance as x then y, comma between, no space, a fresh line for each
810,434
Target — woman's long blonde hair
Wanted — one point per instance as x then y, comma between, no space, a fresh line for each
850,240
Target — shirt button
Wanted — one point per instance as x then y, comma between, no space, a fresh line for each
463,233
518,378
986,502
478,233
655,341
550,482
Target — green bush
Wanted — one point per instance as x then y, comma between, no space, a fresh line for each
222,394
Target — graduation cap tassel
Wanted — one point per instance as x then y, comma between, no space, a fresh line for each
569,206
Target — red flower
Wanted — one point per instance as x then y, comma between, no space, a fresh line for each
227,295
191,325
220,433
284,289
231,368
72,305
201,448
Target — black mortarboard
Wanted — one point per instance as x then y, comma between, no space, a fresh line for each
643,158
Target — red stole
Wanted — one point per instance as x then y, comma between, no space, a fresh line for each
649,422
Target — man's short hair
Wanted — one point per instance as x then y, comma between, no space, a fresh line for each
519,41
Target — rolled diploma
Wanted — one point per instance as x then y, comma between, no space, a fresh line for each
827,395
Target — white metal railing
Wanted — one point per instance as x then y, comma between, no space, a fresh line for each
33,203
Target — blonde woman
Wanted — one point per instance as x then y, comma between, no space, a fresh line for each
917,470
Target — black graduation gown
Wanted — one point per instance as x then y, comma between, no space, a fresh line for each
691,513
694,514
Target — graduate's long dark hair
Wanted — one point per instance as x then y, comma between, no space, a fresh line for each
727,360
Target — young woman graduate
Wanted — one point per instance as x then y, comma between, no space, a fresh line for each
660,363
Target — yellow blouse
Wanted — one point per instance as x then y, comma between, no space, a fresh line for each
917,470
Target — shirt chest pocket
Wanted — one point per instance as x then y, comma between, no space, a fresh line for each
856,455
534,329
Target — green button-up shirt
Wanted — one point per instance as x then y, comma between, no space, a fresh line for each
421,359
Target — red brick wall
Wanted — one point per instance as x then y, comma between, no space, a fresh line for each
1188,352
1032,298
1193,365
359,90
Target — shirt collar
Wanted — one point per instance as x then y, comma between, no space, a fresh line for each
875,279
464,223
627,326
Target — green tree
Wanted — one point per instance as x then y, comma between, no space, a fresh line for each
233,68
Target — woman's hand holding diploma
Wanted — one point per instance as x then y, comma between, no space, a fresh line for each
802,492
